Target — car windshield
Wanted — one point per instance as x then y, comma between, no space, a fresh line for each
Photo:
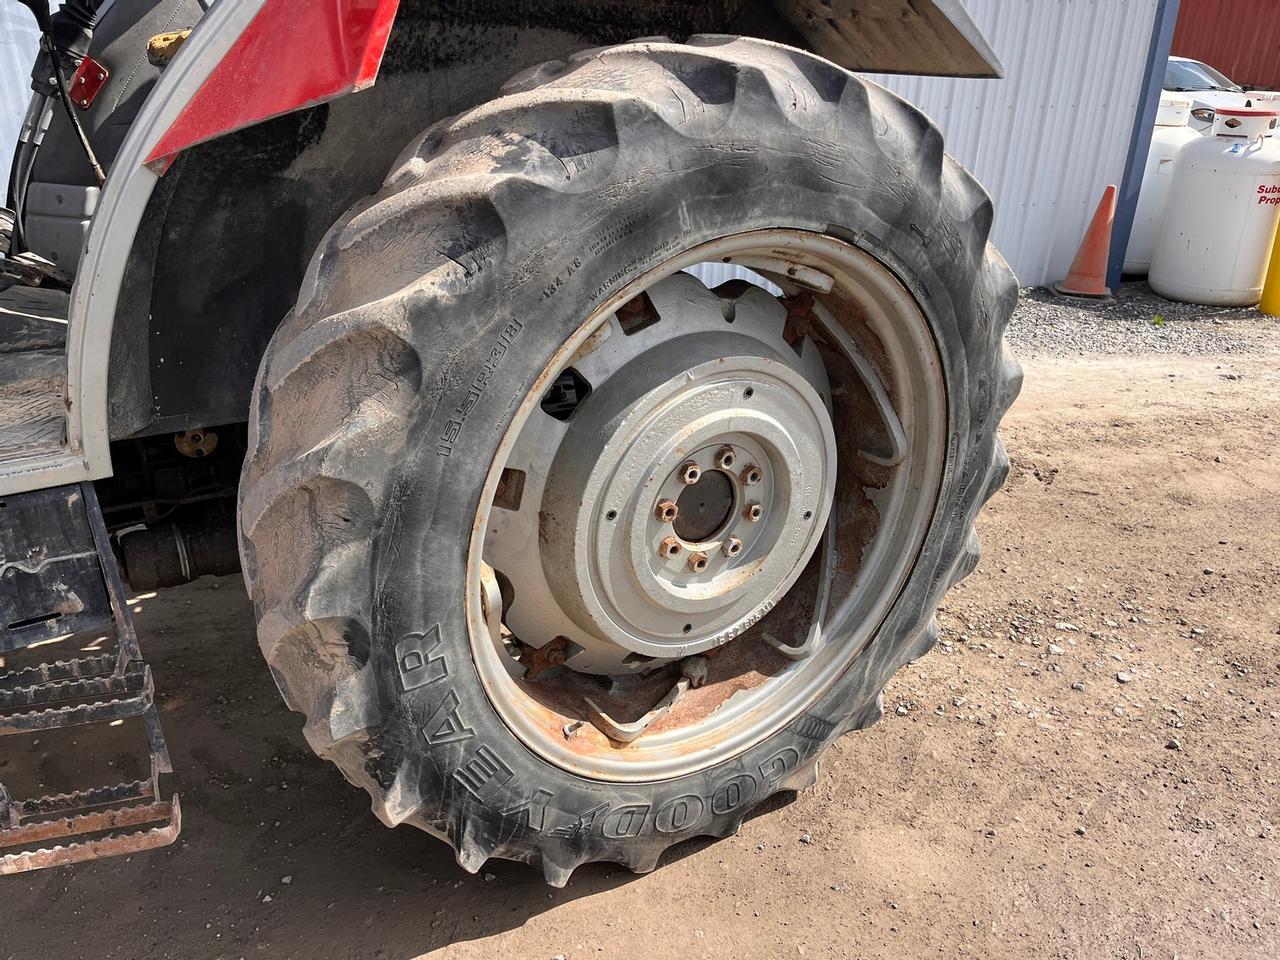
1189,75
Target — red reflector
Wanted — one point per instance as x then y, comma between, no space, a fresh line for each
87,82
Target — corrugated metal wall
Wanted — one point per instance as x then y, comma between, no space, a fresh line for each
1239,37
1046,140
18,41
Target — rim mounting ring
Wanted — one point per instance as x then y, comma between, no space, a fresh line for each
576,551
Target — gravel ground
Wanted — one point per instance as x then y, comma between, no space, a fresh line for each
1086,768
1136,322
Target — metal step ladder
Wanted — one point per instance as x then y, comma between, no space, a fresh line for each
59,582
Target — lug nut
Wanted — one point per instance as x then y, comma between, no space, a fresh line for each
754,512
667,511
669,549
690,473
732,547
698,562
751,474
726,458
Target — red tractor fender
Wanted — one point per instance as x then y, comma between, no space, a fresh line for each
267,72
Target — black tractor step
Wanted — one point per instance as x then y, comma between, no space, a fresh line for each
132,680
59,582
108,698
59,670
99,822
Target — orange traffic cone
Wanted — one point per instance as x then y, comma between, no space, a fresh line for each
1088,274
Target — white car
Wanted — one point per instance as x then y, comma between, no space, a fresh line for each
1209,90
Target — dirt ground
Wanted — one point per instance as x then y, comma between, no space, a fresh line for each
1086,768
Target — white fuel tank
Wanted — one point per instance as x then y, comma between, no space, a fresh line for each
1222,211
1170,136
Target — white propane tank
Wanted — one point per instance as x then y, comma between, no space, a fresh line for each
1170,136
1220,222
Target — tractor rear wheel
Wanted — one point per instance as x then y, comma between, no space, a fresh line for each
567,553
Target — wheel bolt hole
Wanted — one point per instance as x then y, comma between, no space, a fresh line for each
611,515
565,394
808,514
748,393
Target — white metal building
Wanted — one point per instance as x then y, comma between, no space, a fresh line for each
1047,139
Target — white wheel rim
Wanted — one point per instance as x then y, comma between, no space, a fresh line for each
600,563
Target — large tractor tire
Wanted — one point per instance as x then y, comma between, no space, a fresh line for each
567,556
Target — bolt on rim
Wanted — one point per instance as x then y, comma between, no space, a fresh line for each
678,478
